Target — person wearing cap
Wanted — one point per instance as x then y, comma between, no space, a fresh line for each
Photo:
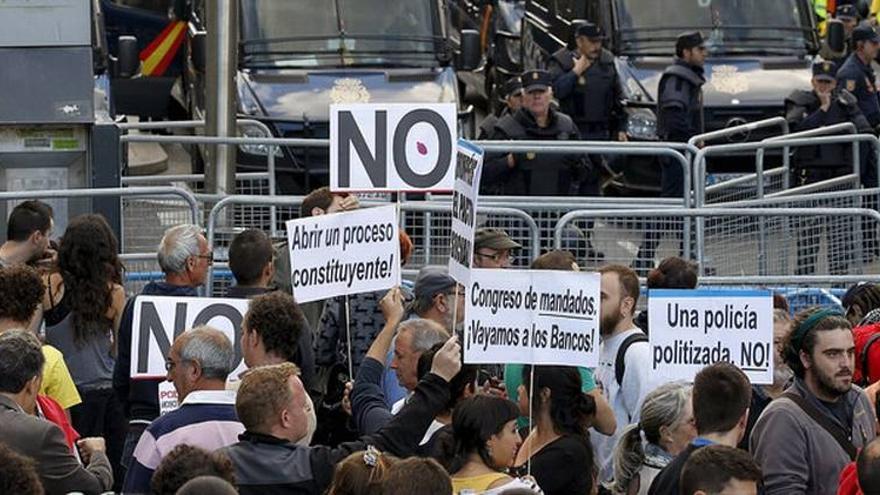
805,438
532,173
586,83
492,248
513,97
848,16
857,76
437,296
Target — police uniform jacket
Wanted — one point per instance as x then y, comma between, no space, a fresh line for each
593,99
680,102
858,79
535,174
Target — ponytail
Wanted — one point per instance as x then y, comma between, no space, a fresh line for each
629,454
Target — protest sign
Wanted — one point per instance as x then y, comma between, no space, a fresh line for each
158,320
392,146
691,329
468,167
167,398
532,317
344,253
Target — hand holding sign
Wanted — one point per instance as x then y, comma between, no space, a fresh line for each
392,305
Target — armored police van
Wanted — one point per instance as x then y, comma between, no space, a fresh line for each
758,52
297,57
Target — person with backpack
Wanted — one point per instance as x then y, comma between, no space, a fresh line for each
624,359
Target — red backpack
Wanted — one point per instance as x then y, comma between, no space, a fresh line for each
867,340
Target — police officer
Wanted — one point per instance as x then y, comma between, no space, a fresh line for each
586,83
825,105
679,117
513,97
857,76
531,173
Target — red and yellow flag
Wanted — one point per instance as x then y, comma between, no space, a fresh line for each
161,51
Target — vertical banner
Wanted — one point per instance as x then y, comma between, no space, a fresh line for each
532,317
344,253
468,167
691,329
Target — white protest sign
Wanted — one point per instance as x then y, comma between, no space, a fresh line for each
344,253
167,398
691,329
392,146
532,317
468,167
158,320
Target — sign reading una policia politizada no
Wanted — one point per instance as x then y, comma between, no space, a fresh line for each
392,147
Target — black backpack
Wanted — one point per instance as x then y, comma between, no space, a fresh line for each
620,360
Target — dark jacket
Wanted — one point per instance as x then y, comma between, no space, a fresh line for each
266,465
304,357
680,102
140,397
593,100
666,482
858,79
535,174
60,472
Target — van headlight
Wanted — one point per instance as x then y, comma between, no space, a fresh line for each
256,149
641,123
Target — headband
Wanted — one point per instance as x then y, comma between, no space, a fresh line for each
801,331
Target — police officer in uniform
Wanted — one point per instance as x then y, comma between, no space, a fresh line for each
586,83
825,105
513,97
679,117
857,76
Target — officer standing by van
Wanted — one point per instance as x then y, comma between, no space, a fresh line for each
586,83
856,74
513,99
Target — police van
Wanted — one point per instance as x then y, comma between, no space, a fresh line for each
759,51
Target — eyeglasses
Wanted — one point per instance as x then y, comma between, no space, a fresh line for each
209,257
496,257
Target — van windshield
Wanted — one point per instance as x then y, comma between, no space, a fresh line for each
730,26
305,33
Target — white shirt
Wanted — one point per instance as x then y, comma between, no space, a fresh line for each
625,400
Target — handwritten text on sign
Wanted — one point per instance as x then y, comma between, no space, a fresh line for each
468,167
691,329
532,317
344,253
158,320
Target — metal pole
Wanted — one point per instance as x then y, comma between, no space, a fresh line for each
222,18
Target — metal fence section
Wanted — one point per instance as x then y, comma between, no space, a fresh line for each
793,242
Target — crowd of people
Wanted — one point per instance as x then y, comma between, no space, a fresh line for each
412,418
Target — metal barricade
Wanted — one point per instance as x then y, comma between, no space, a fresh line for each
733,239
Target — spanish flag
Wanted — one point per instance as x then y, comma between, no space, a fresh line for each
161,51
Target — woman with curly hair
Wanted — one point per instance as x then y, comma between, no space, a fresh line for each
83,306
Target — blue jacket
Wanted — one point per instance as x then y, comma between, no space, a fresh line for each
858,79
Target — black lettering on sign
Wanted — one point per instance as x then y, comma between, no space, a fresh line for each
350,135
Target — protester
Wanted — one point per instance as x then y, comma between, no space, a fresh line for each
21,296
805,438
198,364
212,485
721,396
28,230
558,447
859,300
624,359
185,462
720,469
18,474
868,467
417,476
361,473
21,365
270,404
762,395
82,309
184,257
492,248
462,386
438,297
672,273
665,429
252,261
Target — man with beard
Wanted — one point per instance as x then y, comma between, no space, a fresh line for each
27,234
624,358
806,437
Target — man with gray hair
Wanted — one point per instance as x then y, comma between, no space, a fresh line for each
198,364
184,257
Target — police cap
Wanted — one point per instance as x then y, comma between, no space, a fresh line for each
865,33
512,87
846,11
825,70
689,40
589,30
536,80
